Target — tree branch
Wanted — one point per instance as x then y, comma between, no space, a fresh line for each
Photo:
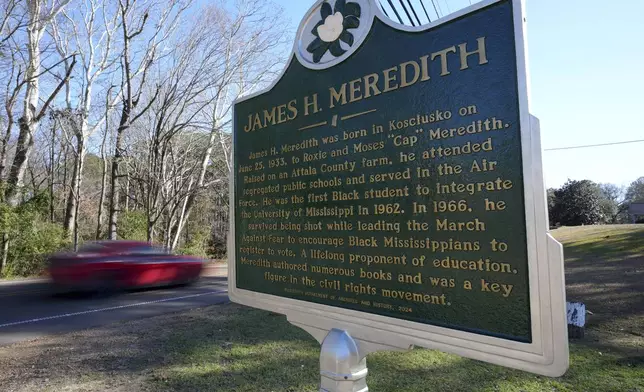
64,81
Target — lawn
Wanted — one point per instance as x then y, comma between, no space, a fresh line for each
262,352
232,348
604,242
605,270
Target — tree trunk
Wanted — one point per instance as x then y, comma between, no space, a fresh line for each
150,231
4,143
3,158
78,193
168,227
64,147
75,188
5,253
52,156
28,121
192,196
115,175
126,206
15,181
101,199
180,223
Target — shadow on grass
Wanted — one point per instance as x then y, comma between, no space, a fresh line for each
232,348
607,246
424,370
605,270
252,351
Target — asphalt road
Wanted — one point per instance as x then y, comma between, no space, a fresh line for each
28,310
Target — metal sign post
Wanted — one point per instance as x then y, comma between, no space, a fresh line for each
343,357
343,368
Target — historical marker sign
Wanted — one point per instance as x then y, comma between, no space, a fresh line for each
390,183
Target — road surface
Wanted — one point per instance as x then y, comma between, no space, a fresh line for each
28,310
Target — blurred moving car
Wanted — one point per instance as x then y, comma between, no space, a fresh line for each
108,266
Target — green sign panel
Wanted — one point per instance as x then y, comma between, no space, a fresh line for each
388,178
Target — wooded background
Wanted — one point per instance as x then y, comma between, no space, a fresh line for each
115,122
115,119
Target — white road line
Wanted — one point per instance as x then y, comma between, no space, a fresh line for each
110,308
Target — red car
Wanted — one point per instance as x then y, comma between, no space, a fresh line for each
121,265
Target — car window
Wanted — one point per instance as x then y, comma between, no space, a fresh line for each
91,247
148,250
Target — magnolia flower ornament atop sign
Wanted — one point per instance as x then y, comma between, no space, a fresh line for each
333,27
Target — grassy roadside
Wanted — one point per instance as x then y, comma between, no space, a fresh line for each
260,352
602,242
231,348
605,270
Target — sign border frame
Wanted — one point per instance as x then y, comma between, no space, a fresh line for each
548,353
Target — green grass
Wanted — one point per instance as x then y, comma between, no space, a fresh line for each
230,348
604,269
252,350
256,351
243,349
608,242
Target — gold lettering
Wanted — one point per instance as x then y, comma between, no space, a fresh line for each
443,55
281,114
480,50
307,104
257,123
269,118
389,78
249,126
338,96
403,73
425,68
370,82
292,109
354,90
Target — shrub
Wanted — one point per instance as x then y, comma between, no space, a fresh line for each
197,245
133,225
31,238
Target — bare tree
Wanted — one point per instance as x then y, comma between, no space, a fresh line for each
184,95
110,106
39,17
88,30
134,17
252,37
103,155
11,19
13,87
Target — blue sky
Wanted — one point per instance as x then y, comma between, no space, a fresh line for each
586,63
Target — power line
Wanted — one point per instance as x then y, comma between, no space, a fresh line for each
436,10
384,10
448,8
414,12
594,145
407,12
425,9
395,11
